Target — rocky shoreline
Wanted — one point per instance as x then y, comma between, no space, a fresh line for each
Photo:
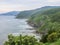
34,26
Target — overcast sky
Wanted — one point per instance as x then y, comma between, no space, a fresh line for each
19,5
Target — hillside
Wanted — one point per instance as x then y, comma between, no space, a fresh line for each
48,24
29,13
24,14
52,14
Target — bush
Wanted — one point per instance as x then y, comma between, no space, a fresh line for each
44,38
52,37
22,40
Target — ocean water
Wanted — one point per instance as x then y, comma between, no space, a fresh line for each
10,25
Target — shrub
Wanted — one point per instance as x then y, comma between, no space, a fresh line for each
22,40
44,38
52,37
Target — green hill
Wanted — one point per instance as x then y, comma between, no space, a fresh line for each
24,14
29,13
48,24
52,15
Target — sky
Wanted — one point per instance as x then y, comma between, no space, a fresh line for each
20,5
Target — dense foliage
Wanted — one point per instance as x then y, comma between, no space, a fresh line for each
29,13
22,40
48,24
24,14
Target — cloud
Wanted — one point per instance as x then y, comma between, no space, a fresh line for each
53,1
15,7
10,5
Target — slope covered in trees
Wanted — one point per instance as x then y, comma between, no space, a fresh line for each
24,14
48,24
29,13
52,14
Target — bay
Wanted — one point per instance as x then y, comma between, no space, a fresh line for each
10,25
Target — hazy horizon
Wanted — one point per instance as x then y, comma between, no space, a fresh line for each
20,5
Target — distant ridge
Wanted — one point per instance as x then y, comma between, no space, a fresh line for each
12,13
28,13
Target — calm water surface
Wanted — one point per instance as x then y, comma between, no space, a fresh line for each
8,25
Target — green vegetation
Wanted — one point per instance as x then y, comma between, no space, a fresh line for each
46,21
29,13
48,24
24,14
22,40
